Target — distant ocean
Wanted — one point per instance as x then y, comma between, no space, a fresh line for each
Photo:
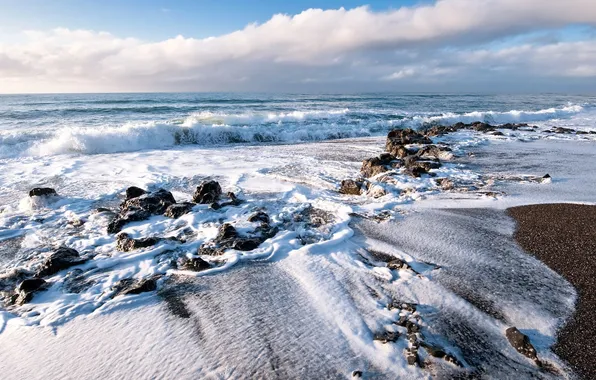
42,125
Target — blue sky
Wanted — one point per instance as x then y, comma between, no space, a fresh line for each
234,45
159,19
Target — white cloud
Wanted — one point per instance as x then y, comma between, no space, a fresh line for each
403,44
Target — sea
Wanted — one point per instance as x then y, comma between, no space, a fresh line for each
319,290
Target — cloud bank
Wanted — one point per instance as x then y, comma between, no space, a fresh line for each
450,44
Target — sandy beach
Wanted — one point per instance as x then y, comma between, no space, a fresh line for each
563,236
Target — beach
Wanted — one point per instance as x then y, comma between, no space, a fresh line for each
563,236
323,237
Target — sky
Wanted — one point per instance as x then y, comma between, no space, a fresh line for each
517,46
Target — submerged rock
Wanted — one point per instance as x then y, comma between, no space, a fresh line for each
31,284
207,192
350,187
60,259
42,192
521,343
131,286
377,165
386,336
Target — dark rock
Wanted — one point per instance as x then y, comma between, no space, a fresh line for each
42,192
178,209
124,218
377,165
133,192
416,167
207,192
131,286
60,259
259,216
497,133
432,152
445,183
141,208
155,203
563,130
215,206
125,243
226,231
412,356
31,284
386,337
521,343
103,209
350,187
245,244
398,264
405,137
357,374
195,264
206,250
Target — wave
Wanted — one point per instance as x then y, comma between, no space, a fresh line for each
217,128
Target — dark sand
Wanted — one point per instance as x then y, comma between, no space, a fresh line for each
563,236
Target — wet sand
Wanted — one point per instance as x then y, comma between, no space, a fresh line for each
563,236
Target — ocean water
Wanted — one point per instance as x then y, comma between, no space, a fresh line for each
314,283
109,123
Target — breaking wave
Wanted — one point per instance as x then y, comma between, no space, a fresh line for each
213,128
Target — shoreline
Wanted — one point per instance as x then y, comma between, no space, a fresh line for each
563,236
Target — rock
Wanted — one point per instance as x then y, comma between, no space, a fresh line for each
207,192
482,127
357,374
42,192
195,264
412,356
206,250
60,259
398,264
259,216
563,130
405,137
133,192
30,285
521,343
497,133
155,203
141,208
376,165
386,337
415,167
445,183
350,187
129,216
125,243
546,179
434,152
178,209
130,286
226,231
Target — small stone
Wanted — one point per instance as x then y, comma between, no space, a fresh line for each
521,343
195,264
357,374
60,259
42,192
176,210
125,243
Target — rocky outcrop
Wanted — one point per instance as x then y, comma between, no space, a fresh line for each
42,192
62,258
134,192
207,192
259,216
